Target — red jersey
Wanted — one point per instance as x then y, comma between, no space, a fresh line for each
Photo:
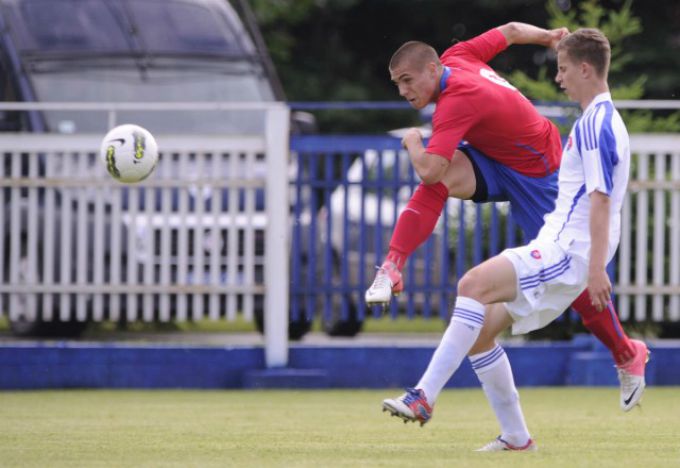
477,105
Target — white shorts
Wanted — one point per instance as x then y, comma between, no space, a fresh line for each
549,279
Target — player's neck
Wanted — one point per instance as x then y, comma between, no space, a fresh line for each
591,92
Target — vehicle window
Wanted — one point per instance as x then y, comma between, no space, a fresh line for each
173,25
88,25
171,84
149,26
140,51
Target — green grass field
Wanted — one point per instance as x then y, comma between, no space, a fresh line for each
574,427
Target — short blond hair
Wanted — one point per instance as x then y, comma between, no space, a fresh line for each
416,53
588,45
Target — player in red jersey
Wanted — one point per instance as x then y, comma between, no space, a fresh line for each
510,153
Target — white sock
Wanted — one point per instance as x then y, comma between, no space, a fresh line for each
494,372
460,335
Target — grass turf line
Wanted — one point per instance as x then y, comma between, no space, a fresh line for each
345,428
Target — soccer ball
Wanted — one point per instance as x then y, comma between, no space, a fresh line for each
129,152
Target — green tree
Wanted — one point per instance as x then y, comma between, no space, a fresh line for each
617,26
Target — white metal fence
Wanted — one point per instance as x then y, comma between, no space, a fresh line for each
204,237
76,244
648,283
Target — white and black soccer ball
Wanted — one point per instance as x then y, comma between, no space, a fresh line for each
129,152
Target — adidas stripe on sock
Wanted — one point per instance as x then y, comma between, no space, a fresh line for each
460,335
494,372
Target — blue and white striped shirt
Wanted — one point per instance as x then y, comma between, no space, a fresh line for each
596,157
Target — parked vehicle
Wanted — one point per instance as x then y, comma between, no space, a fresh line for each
360,200
126,51
129,51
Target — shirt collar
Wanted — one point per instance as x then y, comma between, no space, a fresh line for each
602,97
445,76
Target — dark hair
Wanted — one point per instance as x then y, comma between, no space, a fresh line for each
416,52
588,45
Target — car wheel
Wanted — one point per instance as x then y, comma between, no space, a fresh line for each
21,326
42,329
296,328
336,324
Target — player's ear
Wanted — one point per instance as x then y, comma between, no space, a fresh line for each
586,70
432,69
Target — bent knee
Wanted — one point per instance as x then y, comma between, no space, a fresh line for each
472,285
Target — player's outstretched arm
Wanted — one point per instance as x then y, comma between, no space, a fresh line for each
522,33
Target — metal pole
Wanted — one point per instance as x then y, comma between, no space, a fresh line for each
276,237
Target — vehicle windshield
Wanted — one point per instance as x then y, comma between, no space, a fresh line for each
238,82
140,51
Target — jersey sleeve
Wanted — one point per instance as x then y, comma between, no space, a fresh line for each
483,47
450,122
598,149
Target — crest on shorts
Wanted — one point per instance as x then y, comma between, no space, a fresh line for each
536,254
569,142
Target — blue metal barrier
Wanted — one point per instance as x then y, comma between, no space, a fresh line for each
349,191
340,235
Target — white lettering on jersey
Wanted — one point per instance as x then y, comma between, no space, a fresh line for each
494,78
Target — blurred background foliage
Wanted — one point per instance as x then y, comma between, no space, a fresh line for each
621,27
338,50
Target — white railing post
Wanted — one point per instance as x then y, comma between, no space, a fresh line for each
276,238
674,275
641,239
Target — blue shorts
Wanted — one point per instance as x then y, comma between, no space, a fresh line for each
531,198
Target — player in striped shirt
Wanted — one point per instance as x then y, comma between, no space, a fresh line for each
527,287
